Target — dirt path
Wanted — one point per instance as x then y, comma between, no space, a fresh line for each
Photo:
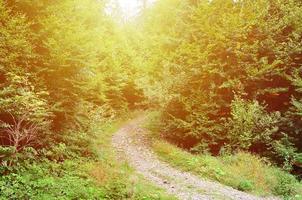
132,145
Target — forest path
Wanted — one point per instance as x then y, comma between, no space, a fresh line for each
132,145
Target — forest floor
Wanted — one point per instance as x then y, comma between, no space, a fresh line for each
133,146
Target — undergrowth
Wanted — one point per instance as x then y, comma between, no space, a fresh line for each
243,171
117,177
100,177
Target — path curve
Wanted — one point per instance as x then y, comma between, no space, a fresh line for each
132,145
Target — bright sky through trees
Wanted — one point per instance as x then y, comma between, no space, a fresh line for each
221,79
128,8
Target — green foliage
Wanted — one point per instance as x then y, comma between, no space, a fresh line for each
5,154
287,185
246,185
293,115
16,49
225,75
63,72
58,78
250,125
42,181
60,173
287,152
205,56
19,96
242,171
117,178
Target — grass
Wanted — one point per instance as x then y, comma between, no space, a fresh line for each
117,177
242,171
91,178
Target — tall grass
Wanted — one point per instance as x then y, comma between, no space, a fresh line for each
117,177
243,171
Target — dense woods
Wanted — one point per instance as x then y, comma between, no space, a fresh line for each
224,76
228,75
62,72
58,68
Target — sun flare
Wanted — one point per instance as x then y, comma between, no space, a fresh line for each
130,7
115,99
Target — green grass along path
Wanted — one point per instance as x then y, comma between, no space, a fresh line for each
132,145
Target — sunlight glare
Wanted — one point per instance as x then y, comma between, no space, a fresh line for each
127,9
130,8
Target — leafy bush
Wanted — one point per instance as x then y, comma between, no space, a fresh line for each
285,151
40,181
242,171
246,185
65,85
251,125
287,185
25,115
213,54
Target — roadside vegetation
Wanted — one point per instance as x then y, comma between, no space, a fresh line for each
102,176
224,76
61,96
242,170
229,80
116,176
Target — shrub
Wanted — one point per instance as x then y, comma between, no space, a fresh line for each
251,125
209,59
24,112
287,185
246,185
241,170
48,180
285,151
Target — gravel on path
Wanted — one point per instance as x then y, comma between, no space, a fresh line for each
133,146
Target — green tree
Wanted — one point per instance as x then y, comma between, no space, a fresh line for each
215,51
